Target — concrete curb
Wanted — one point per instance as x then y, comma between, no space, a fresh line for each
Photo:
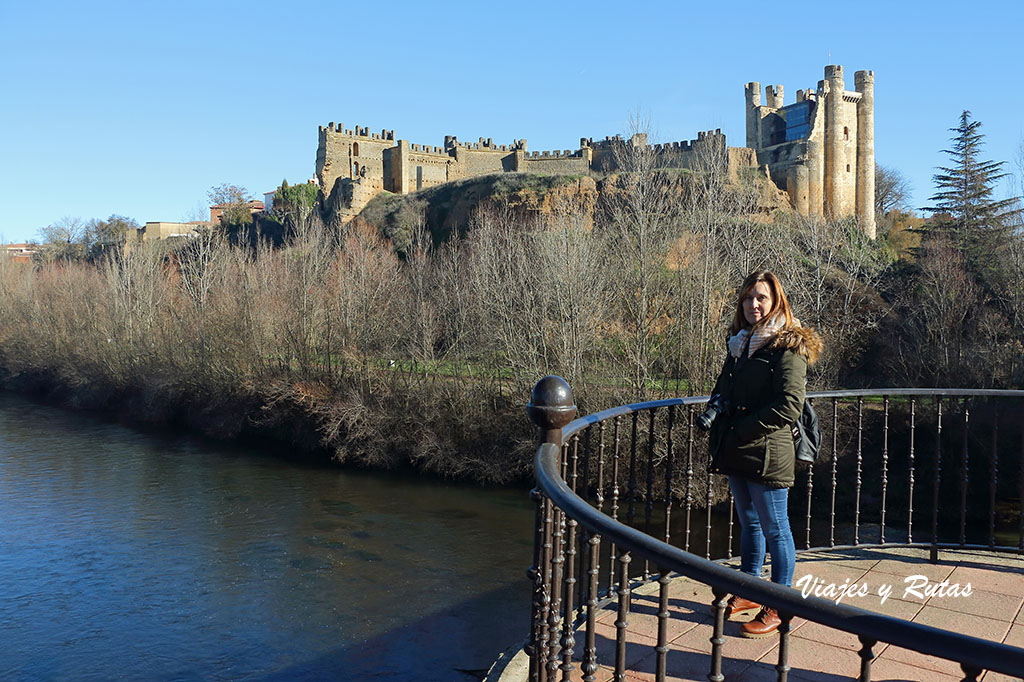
513,665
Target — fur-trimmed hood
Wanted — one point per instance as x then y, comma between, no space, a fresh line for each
804,340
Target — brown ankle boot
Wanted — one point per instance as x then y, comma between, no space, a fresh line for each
765,624
738,606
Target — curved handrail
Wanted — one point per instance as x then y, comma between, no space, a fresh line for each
966,649
867,625
580,423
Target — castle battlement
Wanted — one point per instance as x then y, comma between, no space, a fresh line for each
704,138
606,144
819,149
557,154
428,149
364,132
483,145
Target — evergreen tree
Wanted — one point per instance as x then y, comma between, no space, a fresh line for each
964,203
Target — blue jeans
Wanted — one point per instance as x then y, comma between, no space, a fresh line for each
763,516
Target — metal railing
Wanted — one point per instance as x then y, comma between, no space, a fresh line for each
617,488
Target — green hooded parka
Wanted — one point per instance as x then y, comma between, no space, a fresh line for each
765,391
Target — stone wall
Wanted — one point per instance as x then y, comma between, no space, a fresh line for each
471,163
415,167
554,163
353,166
820,150
352,155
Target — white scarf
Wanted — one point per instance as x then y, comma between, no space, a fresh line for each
762,335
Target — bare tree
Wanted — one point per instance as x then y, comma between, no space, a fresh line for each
310,318
452,294
932,345
137,291
892,190
365,281
508,297
572,258
420,316
833,272
64,240
723,241
641,208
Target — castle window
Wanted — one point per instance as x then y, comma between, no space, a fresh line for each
846,135
355,169
847,168
355,149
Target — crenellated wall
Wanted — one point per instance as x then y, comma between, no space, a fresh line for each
558,162
354,166
473,160
353,156
820,150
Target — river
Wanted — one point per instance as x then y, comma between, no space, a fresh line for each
138,556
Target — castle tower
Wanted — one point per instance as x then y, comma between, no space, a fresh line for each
352,166
834,141
816,155
865,83
752,95
820,149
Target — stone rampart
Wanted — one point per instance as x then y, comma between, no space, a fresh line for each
355,165
471,161
563,162
820,150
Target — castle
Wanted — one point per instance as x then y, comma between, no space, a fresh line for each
820,150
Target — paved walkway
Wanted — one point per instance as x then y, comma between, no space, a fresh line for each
993,611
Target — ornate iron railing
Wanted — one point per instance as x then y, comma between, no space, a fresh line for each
617,488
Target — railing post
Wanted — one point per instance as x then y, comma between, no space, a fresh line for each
1020,487
536,648
835,465
993,477
885,466
782,668
613,550
934,554
551,407
910,474
860,470
718,605
867,655
964,476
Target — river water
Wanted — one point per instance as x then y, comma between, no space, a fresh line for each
134,556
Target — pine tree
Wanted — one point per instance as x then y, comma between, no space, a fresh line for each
964,203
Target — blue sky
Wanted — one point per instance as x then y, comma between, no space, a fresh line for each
139,108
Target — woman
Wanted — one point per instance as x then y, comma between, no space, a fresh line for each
762,384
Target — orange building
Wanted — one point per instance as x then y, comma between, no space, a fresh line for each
20,253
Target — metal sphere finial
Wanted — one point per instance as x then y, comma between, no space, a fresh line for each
551,403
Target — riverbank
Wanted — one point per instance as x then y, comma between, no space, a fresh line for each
421,429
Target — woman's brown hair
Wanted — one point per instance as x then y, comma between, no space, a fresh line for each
780,304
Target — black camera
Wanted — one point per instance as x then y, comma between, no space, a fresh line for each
716,406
